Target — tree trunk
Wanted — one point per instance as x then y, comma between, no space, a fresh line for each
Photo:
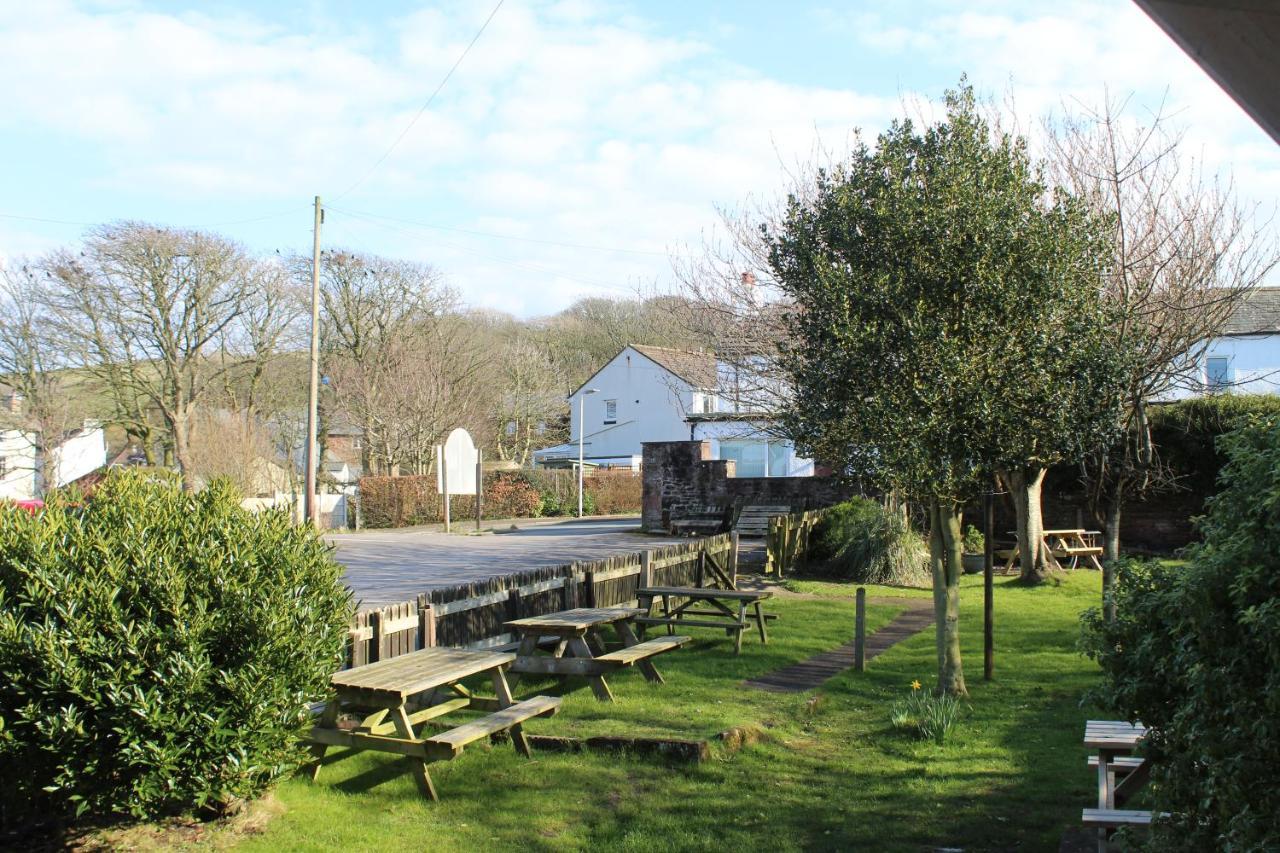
945,547
182,453
1111,526
1038,563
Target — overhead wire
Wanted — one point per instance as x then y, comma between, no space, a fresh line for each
427,103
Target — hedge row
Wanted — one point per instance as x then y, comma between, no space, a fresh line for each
408,500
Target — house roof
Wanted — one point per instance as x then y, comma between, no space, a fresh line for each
696,368
1258,313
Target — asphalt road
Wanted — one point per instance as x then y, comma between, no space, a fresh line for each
387,566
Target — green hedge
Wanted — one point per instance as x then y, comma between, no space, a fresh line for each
1195,654
409,500
158,650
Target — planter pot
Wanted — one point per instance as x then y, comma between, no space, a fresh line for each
972,563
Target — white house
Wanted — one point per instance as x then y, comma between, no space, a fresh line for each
76,454
649,393
1245,357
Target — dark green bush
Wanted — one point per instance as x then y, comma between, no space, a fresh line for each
158,650
860,540
1195,654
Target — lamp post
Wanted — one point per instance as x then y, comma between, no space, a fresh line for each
582,423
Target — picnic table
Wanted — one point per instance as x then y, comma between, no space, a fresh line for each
716,608
1120,774
1067,544
398,694
580,648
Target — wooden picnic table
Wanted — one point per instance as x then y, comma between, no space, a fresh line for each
1120,774
580,648
398,694
716,607
1069,543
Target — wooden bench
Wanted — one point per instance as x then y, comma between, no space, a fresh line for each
754,520
448,745
1115,818
707,520
629,655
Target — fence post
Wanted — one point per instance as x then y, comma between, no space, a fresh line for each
733,558
590,579
426,625
860,631
513,604
566,593
379,644
646,569
702,567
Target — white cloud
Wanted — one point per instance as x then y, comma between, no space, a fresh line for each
569,121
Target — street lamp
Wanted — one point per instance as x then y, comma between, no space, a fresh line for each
582,423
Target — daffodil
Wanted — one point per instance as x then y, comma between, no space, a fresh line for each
915,685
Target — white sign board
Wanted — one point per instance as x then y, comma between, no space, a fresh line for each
458,464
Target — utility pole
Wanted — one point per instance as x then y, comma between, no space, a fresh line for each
311,511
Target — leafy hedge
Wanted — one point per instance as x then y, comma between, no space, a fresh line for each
1195,654
402,501
158,650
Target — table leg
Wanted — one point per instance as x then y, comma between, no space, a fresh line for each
595,641
503,692
1013,556
629,639
528,648
764,635
560,647
737,633
666,612
328,720
579,648
417,766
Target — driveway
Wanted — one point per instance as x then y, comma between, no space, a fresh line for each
387,566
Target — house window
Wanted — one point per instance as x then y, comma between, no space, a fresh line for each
1217,371
708,403
751,458
779,456
611,411
357,443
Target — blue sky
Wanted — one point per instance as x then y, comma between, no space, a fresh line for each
586,140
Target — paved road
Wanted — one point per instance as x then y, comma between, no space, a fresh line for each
390,566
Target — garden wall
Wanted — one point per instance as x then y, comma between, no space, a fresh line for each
681,480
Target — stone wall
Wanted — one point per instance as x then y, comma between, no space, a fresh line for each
681,480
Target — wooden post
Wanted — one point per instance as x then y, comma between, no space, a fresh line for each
988,589
513,603
444,483
379,636
733,558
591,588
479,487
646,569
426,625
702,567
860,631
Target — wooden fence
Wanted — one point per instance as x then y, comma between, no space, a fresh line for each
472,615
787,542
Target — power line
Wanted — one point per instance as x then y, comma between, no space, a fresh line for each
425,104
586,246
44,219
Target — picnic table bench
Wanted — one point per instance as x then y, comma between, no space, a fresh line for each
383,693
580,648
1067,544
715,607
1120,774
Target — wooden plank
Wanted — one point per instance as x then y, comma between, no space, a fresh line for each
580,618
418,671
449,744
725,624
631,654
360,740
1115,818
532,665
702,593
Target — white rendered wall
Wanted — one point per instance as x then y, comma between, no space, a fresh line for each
651,406
82,453
19,451
1253,362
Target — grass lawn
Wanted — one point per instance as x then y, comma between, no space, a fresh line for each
829,772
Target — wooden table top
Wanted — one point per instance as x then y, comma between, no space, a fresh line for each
578,619
418,671
708,592
1113,734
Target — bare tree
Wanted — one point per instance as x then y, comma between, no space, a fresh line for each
1186,253
530,400
147,310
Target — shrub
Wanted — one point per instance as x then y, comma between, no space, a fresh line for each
928,716
859,540
974,541
158,650
1195,654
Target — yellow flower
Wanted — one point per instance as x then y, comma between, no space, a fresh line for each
915,685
